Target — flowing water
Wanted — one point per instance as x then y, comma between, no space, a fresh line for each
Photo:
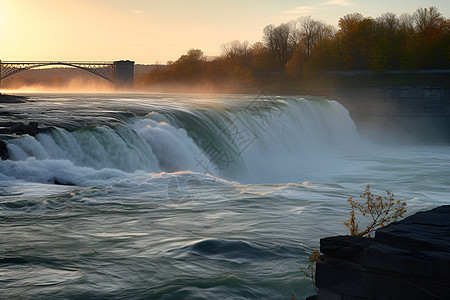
188,196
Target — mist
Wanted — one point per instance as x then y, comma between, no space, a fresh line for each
66,80
201,87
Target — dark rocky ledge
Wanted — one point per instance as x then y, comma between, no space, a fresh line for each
409,259
19,128
12,99
3,151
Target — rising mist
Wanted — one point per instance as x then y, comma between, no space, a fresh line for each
68,80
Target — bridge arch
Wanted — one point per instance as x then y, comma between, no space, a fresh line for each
120,73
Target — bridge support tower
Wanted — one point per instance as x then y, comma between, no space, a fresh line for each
123,75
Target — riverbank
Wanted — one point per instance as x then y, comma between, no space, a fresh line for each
406,113
324,83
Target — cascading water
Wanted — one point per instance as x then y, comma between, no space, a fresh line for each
250,143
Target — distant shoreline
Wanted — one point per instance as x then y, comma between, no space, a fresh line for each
322,84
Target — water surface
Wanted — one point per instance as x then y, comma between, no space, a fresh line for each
188,196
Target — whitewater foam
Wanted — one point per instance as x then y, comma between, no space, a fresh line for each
261,141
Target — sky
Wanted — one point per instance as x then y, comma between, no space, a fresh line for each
157,31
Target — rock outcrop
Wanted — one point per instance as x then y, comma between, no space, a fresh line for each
409,259
3,151
19,128
12,99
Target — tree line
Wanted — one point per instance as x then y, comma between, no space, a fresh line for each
420,40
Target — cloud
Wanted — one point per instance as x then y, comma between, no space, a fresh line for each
137,11
301,10
337,2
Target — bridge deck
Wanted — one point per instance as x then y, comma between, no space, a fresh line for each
3,62
120,73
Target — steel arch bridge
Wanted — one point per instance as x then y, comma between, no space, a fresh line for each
119,73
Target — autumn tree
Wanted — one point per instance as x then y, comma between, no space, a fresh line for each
260,57
235,49
359,36
295,66
431,31
348,26
326,55
420,40
407,48
236,61
348,23
277,40
386,50
312,31
428,21
236,54
188,67
309,33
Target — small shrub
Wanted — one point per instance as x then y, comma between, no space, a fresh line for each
381,210
310,270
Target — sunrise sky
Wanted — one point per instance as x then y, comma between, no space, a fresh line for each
150,31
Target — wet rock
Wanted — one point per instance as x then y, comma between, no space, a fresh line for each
20,128
17,127
6,124
420,230
3,151
62,182
409,259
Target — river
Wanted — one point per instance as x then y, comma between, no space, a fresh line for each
188,196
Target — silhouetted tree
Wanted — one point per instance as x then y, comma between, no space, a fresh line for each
312,31
428,21
308,33
235,49
235,54
277,41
